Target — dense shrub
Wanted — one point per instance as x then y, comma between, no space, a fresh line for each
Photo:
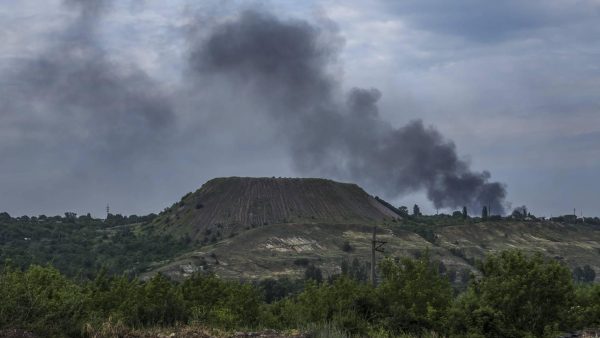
414,295
514,295
39,299
227,304
80,247
586,311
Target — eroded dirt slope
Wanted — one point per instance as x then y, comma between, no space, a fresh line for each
224,206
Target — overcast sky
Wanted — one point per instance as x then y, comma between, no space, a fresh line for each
514,84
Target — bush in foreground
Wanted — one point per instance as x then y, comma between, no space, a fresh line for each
514,296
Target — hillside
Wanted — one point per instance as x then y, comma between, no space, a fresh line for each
226,206
255,228
287,249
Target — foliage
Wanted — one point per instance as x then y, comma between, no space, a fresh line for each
313,273
347,247
413,295
416,210
80,246
356,270
516,296
586,311
277,289
584,275
39,299
226,304
403,210
520,212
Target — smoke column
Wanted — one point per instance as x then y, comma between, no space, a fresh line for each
76,122
73,122
287,65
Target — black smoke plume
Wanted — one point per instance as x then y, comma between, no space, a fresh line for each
288,66
75,122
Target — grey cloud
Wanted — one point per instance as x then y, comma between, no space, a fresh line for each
72,110
121,110
490,21
287,65
89,8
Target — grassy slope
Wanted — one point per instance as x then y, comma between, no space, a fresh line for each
275,250
263,227
576,245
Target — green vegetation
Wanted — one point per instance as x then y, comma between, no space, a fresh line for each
516,295
300,247
80,246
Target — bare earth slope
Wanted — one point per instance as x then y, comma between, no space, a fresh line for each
224,206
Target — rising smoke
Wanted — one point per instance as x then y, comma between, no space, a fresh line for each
85,117
72,120
288,66
116,110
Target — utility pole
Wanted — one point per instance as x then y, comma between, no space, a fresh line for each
376,246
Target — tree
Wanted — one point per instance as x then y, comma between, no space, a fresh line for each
520,212
587,311
4,217
39,299
517,296
347,247
464,213
70,217
584,275
344,303
416,210
484,213
356,270
414,296
313,273
403,210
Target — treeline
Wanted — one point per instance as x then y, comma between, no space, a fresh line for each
78,246
520,213
515,295
87,219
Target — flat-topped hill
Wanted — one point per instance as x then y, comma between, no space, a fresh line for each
224,206
252,228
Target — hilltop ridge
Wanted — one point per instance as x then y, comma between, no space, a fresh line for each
228,205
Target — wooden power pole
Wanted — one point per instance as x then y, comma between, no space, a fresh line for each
376,246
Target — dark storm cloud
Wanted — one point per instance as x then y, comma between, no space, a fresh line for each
490,21
288,66
257,88
280,57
